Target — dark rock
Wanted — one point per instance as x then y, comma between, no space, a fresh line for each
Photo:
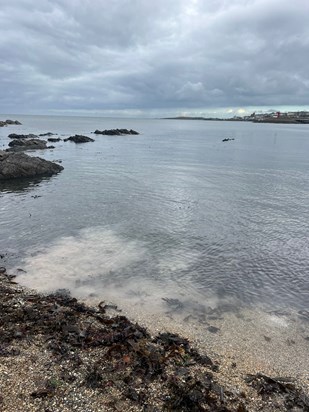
8,122
20,165
116,132
227,139
47,134
133,131
31,144
22,136
54,139
79,139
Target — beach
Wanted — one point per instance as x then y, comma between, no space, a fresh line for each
58,354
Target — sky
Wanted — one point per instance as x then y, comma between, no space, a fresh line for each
153,58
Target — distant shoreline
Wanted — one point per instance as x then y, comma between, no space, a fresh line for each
270,120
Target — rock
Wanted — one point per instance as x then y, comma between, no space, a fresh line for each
20,165
54,139
31,144
79,139
116,132
8,122
133,131
47,134
22,136
227,139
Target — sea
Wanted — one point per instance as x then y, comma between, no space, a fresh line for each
172,225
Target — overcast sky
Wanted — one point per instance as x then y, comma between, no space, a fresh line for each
149,57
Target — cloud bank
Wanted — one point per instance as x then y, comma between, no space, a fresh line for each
142,57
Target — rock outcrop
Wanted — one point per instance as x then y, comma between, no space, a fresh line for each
8,122
78,138
116,132
18,145
20,165
54,139
47,134
23,136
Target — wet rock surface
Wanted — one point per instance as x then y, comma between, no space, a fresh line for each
79,139
23,136
20,165
9,122
84,358
47,134
28,144
54,139
116,132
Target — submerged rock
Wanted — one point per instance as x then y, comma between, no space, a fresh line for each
18,145
79,139
22,136
54,139
116,132
227,139
20,165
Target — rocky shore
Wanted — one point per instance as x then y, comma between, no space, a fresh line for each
18,145
78,138
58,354
19,165
16,165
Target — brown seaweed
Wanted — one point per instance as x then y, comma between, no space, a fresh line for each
129,357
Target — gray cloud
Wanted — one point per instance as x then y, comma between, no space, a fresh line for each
166,55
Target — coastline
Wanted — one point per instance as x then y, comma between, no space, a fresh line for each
271,120
59,354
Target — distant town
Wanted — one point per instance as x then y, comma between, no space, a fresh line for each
301,117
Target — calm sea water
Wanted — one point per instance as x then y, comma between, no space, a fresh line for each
173,213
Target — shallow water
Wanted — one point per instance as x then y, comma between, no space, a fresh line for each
172,213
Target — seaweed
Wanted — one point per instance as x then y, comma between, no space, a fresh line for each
129,358
290,394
